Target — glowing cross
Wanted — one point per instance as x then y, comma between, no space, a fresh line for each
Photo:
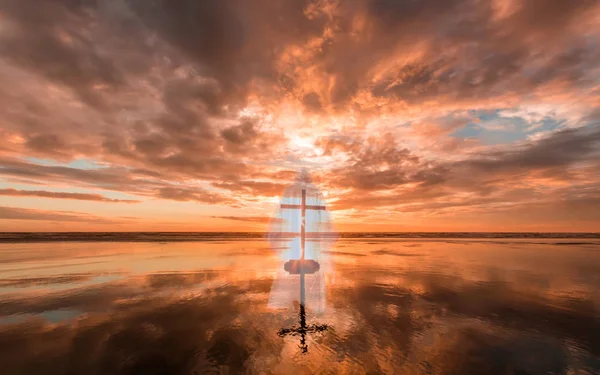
302,267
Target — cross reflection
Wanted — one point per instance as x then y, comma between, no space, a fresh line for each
302,330
302,267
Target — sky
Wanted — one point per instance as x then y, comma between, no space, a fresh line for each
183,115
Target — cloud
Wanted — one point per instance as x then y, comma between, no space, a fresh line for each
53,41
197,195
256,188
525,183
251,219
109,177
378,163
386,100
230,40
16,213
560,149
61,195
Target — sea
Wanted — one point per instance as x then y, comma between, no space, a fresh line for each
392,303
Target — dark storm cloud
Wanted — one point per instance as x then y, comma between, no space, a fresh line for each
544,16
182,94
393,15
240,134
232,41
235,42
412,82
312,101
242,138
467,52
53,40
389,24
182,139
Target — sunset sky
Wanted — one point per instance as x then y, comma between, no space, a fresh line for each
184,115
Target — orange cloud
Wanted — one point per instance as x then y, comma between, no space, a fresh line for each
61,195
437,107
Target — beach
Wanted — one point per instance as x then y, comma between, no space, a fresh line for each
187,304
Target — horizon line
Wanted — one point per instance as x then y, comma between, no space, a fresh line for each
334,232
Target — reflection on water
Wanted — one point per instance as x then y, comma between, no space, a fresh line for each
414,306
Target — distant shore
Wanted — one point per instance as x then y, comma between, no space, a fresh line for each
12,237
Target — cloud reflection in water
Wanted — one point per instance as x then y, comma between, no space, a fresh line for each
444,307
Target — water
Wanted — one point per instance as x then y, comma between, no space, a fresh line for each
187,305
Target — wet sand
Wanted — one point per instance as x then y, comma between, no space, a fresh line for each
393,305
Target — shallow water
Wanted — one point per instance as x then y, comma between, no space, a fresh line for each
413,306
